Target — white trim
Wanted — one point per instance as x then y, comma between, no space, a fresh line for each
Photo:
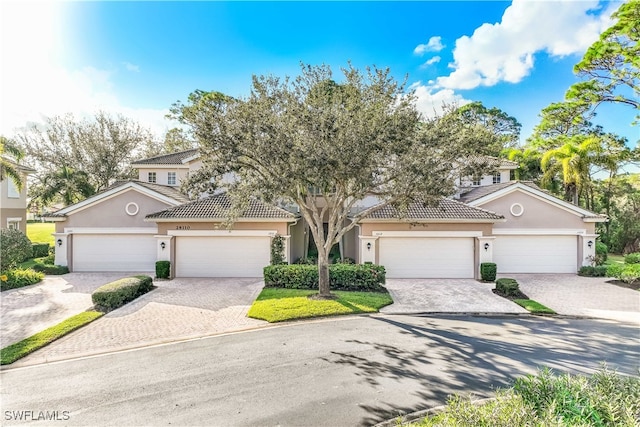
425,234
539,232
222,233
111,230
14,219
136,209
516,205
578,211
191,158
124,188
55,218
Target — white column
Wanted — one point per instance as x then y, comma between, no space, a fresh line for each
287,248
485,249
61,245
588,243
163,245
368,249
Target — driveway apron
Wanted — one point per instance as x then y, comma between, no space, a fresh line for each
178,309
414,296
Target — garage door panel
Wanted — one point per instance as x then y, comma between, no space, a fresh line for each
208,256
416,257
535,254
114,252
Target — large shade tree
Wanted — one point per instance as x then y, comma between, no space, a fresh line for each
325,145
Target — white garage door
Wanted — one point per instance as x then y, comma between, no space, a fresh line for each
114,252
427,257
216,256
536,254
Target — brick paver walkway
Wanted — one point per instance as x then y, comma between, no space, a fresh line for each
178,309
582,296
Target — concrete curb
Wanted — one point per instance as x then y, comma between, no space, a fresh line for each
414,416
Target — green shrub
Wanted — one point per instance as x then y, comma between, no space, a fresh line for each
628,273
632,258
39,250
344,277
593,271
15,247
163,269
603,399
345,260
488,271
118,293
49,259
307,261
602,252
54,270
17,278
508,287
277,250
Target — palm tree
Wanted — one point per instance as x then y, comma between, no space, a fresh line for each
528,160
69,185
10,154
573,161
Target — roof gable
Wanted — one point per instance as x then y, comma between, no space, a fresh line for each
499,191
164,194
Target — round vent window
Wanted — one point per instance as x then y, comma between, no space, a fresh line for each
131,208
516,209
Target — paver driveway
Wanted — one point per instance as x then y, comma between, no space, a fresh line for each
178,309
412,296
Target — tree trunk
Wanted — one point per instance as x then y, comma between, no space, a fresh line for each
324,290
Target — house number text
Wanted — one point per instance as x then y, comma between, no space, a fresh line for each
183,227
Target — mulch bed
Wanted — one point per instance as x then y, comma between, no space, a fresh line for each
518,295
635,285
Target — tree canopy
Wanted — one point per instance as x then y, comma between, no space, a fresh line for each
9,152
611,66
326,145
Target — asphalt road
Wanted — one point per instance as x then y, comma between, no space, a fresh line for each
355,371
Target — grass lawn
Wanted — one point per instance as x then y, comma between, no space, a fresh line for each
615,259
20,349
40,232
279,305
533,306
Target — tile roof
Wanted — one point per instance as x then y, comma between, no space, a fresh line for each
446,209
217,208
165,190
168,159
493,161
476,193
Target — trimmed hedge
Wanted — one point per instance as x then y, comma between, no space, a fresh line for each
15,247
39,250
628,273
632,258
488,271
342,277
593,271
163,269
54,270
508,286
116,294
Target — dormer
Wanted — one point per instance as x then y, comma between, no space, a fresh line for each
501,174
168,169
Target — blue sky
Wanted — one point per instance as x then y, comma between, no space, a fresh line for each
137,58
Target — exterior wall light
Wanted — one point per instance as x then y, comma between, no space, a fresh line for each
59,241
590,243
368,246
486,246
163,245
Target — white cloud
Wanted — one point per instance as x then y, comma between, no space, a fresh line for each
505,51
430,100
131,67
34,83
433,45
431,61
